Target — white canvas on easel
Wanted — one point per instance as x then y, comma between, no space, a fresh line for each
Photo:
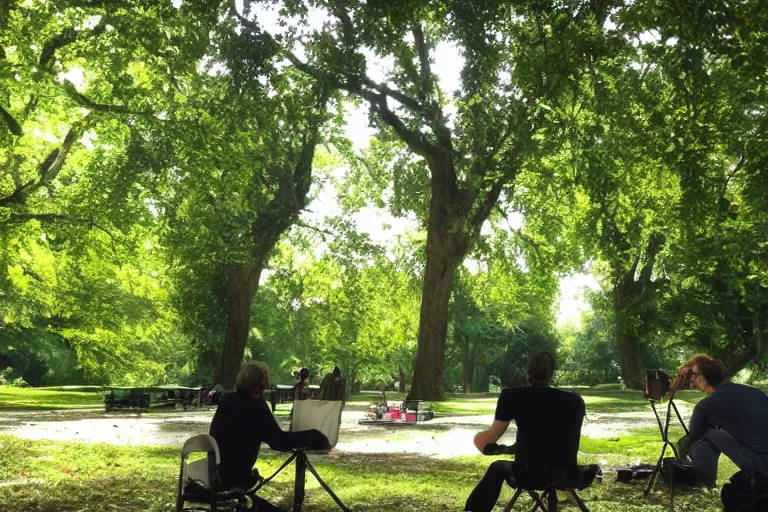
324,415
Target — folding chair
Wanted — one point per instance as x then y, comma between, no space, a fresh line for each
325,416
544,491
199,482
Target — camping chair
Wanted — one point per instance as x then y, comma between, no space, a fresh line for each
325,416
543,491
199,482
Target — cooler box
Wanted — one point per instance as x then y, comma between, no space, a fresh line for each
410,416
394,413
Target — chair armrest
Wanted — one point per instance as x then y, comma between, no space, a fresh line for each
499,449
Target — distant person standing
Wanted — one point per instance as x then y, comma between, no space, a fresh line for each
301,389
333,386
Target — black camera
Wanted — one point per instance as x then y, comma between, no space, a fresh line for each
656,384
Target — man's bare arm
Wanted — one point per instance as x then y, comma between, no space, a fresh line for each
491,435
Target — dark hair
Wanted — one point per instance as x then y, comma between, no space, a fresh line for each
336,371
540,368
712,369
304,373
252,377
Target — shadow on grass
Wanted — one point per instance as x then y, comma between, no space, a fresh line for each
43,476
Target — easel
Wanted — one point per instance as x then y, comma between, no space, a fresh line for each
302,466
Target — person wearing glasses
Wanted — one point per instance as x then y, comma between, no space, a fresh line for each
731,420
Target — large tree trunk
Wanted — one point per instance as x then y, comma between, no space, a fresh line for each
469,368
278,215
465,364
448,239
240,290
630,361
428,371
401,382
628,295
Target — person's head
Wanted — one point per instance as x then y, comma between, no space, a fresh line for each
540,368
303,374
253,378
336,372
706,372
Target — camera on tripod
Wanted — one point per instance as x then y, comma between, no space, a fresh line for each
657,384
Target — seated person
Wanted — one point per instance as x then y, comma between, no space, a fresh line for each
242,422
332,387
732,419
301,388
548,433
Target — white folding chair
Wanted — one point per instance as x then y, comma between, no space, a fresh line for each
199,482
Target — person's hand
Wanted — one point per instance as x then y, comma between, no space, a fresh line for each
321,441
682,380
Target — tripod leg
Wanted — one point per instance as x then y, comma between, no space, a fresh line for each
552,500
654,474
325,486
273,475
298,485
578,500
511,503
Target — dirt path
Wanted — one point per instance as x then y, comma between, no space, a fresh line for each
439,438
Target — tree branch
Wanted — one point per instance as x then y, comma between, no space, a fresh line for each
13,125
48,169
63,38
425,73
79,98
487,205
378,101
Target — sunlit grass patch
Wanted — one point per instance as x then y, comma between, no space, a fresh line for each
42,476
49,398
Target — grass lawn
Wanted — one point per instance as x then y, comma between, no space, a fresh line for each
597,400
51,398
39,476
42,476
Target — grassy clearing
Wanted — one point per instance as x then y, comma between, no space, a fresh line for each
38,476
50,398
598,400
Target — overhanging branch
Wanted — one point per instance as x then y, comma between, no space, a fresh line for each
48,169
13,125
84,101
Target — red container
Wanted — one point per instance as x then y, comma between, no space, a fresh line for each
395,413
410,416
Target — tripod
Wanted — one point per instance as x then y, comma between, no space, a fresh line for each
302,466
664,430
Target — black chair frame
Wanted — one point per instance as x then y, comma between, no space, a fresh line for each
545,498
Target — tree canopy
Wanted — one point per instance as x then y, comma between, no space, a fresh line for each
180,190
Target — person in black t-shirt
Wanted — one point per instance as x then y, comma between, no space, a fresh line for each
243,421
548,432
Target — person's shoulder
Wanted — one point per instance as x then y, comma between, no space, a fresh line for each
569,396
512,393
742,389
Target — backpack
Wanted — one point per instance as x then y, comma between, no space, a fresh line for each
746,492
